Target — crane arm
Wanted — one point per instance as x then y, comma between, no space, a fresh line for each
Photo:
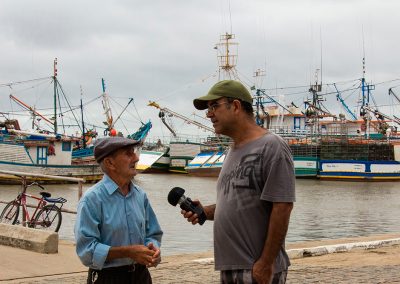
184,118
339,97
376,112
119,116
162,116
261,93
21,103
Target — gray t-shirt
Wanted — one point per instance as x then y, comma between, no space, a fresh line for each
252,177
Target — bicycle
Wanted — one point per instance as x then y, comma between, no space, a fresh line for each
47,214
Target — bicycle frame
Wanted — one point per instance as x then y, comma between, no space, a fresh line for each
47,213
26,219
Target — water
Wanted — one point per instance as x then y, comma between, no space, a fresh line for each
324,209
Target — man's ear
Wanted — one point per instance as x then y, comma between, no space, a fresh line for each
108,161
236,105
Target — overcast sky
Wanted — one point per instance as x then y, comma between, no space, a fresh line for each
164,51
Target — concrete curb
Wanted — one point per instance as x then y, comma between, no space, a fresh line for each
322,250
28,238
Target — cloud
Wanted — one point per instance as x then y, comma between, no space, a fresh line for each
163,50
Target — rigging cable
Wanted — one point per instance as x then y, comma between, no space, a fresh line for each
23,82
60,114
11,105
69,105
115,101
137,112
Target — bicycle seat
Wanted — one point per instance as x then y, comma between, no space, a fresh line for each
45,194
55,200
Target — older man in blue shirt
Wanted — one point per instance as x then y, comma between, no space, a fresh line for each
117,233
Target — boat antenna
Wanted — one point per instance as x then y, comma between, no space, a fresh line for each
365,101
230,15
366,88
320,38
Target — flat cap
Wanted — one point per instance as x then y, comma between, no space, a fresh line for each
106,146
226,88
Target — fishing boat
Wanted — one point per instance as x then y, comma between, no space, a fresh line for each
291,126
40,150
44,150
339,150
347,155
364,147
84,153
181,149
208,162
39,153
323,145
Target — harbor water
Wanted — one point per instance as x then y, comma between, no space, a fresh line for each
323,210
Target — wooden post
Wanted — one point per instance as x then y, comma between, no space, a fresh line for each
79,190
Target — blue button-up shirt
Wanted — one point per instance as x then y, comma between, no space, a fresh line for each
106,218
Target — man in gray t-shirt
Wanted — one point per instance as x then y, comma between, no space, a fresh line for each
255,191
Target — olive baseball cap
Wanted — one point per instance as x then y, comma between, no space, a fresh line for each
104,147
227,89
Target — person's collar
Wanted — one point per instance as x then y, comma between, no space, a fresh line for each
111,186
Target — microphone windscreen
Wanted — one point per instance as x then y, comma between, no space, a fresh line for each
174,195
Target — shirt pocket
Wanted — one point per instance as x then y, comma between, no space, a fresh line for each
137,226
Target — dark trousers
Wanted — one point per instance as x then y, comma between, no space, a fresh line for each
130,274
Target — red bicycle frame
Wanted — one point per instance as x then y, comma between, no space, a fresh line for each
25,213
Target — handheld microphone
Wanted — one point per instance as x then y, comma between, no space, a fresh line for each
175,196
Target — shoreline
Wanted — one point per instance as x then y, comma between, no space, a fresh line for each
353,266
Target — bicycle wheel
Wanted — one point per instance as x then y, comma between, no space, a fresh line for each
10,213
48,218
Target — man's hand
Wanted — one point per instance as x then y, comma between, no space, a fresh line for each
156,256
190,216
263,273
142,254
209,210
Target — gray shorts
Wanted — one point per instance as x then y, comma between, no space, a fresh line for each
244,276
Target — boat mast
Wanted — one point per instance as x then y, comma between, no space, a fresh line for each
366,90
83,123
313,108
227,58
107,108
55,95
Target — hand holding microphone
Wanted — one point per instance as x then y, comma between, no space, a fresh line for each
176,196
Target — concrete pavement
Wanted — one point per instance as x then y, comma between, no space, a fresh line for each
359,264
